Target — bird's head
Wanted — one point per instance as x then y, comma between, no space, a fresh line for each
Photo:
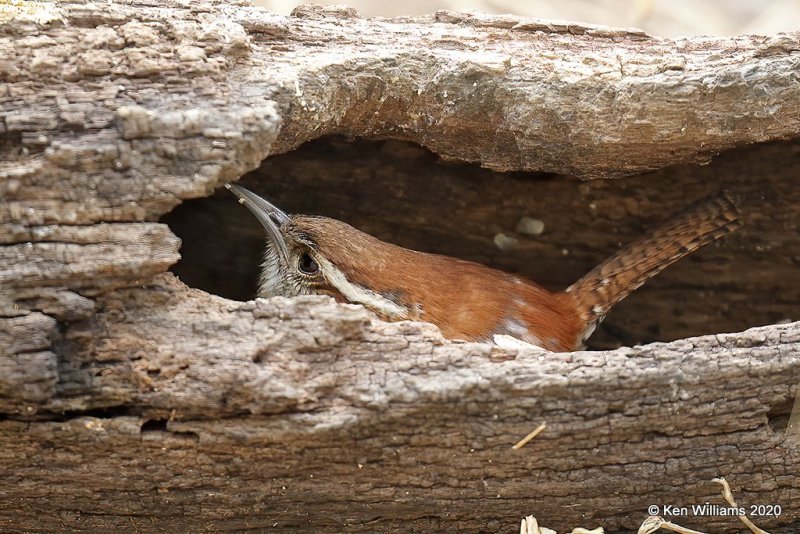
308,255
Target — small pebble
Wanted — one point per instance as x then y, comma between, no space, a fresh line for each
505,243
530,226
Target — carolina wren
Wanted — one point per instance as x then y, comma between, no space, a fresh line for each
317,255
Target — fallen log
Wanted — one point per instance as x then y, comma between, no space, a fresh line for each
131,401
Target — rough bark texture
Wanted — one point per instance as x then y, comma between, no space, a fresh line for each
132,402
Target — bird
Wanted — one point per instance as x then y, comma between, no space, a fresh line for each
467,301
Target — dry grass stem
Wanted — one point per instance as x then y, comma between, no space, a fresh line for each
728,496
524,441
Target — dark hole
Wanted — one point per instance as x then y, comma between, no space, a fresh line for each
154,425
222,245
99,413
404,194
778,416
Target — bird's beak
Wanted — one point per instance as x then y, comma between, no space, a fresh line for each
268,215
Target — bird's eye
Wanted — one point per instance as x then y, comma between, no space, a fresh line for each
307,265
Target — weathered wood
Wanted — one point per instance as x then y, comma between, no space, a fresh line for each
249,413
132,402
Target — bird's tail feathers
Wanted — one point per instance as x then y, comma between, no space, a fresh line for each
604,286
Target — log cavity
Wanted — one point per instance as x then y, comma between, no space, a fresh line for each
547,227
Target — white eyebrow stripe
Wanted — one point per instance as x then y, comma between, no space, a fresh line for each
360,295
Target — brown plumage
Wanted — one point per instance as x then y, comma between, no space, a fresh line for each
465,300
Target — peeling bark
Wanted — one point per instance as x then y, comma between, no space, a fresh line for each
132,402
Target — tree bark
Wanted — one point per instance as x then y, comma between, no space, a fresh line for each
132,402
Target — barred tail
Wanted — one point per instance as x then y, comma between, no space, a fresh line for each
604,286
